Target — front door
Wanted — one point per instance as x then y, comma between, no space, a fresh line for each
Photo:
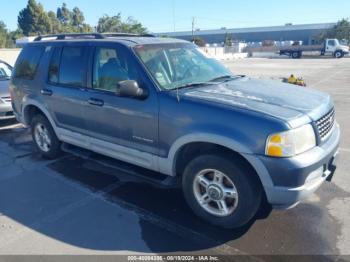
125,123
330,46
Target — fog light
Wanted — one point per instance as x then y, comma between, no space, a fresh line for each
318,173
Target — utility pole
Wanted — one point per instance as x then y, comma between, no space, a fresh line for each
193,24
174,23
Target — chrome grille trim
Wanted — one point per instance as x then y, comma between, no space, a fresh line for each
325,124
6,99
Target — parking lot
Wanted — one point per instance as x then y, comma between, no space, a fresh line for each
76,205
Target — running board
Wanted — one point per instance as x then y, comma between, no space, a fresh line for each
144,174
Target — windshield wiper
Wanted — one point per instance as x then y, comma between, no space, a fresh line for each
224,78
194,84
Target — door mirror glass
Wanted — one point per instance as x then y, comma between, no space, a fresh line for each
130,88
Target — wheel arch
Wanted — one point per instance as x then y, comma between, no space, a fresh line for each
203,143
31,108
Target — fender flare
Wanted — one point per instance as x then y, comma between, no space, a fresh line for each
31,102
168,165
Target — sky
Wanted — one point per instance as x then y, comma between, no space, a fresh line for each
176,15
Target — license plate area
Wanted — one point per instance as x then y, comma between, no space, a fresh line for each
332,166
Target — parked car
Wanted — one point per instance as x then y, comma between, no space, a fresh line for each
162,104
5,99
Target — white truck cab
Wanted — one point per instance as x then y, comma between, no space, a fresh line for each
333,47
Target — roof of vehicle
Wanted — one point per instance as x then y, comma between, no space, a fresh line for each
127,39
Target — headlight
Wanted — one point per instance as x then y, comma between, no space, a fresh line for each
291,143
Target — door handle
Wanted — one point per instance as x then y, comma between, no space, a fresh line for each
46,92
95,102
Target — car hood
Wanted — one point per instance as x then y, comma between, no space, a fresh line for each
4,88
293,104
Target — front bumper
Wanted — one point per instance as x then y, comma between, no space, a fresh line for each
295,179
6,111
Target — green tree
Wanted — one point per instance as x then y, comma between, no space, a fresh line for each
199,41
228,40
3,35
33,20
13,36
72,21
55,25
340,31
64,15
115,24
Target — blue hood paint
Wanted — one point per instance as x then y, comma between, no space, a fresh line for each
293,104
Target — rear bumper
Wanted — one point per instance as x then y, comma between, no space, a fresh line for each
299,177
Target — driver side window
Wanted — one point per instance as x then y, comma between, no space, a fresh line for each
110,67
331,42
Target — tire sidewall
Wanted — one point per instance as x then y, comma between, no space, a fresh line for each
295,55
249,191
340,54
55,143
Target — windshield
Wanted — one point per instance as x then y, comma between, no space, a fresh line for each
5,71
179,65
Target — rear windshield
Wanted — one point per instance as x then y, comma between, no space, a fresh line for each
28,61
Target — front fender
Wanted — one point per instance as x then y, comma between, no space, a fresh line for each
168,165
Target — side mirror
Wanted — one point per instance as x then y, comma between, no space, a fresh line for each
130,88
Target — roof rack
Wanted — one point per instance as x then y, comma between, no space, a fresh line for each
126,35
88,36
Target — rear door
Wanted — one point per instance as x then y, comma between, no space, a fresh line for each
65,91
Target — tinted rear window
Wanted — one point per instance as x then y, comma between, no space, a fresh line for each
72,66
28,62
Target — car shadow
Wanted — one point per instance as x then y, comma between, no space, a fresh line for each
32,199
156,202
83,203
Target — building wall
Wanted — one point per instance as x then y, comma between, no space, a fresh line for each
9,55
301,35
305,33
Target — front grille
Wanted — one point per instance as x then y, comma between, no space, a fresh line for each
325,124
6,99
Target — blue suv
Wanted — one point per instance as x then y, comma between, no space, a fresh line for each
166,106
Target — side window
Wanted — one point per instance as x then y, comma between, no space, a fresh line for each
54,66
72,67
110,67
331,42
28,62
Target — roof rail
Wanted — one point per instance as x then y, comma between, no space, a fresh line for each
88,36
65,36
126,35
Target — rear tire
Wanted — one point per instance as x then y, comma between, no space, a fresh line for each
205,196
44,137
296,55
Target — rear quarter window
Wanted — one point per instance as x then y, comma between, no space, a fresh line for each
28,61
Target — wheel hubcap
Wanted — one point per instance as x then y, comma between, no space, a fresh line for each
215,192
42,137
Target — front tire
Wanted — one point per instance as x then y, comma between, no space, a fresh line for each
44,137
338,54
221,190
